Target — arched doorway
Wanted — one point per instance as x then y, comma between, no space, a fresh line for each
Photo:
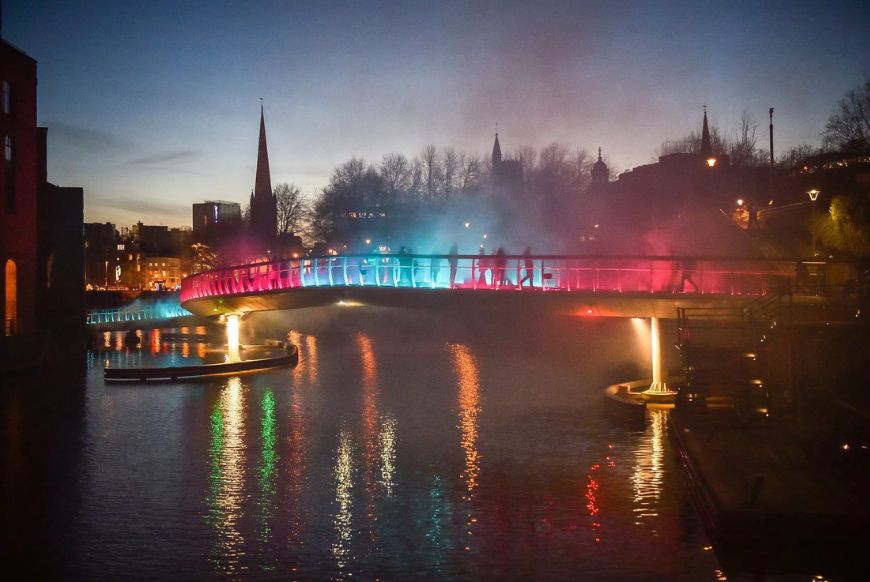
11,298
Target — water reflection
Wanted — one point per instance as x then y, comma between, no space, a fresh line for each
266,480
648,476
468,375
227,475
342,520
387,441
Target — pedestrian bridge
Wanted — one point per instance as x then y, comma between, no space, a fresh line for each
582,285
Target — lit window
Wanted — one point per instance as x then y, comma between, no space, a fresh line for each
120,247
6,100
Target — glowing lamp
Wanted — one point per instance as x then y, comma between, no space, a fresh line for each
485,235
467,224
711,162
740,202
368,241
814,194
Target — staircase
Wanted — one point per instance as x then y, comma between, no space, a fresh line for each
720,350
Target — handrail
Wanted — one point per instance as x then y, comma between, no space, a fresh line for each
530,273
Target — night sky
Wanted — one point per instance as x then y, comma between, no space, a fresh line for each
152,106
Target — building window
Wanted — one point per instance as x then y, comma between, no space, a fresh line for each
6,99
7,150
11,298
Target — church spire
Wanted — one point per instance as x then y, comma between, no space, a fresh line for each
263,182
706,147
264,213
496,152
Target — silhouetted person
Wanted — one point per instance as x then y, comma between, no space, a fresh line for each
529,267
454,261
481,267
753,216
500,267
688,266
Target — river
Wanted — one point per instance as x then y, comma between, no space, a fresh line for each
403,445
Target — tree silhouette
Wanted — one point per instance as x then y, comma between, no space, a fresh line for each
848,127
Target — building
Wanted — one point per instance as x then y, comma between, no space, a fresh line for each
507,175
264,207
41,234
215,221
600,173
164,273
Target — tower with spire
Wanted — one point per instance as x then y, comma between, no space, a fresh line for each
264,208
507,175
706,146
600,173
496,152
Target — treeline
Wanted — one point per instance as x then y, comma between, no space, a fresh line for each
381,200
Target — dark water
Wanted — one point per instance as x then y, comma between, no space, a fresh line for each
396,449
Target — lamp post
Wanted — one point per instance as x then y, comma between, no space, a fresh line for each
813,194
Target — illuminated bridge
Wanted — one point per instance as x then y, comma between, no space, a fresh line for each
585,285
150,313
653,287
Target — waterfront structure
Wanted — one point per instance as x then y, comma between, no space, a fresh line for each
215,221
41,242
264,208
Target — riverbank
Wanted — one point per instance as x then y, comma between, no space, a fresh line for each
782,495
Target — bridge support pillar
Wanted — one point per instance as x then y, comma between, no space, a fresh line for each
233,338
659,389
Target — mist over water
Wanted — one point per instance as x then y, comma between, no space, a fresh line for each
445,445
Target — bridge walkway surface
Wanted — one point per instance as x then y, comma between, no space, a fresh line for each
593,285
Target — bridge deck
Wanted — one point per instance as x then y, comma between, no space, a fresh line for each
622,286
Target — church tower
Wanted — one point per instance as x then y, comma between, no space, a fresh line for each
600,173
706,146
264,210
496,153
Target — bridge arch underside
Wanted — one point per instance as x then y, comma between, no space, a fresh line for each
599,304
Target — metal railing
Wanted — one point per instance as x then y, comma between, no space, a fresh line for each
511,273
149,313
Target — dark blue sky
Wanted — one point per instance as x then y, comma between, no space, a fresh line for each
152,106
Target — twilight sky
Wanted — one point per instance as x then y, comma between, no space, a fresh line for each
152,106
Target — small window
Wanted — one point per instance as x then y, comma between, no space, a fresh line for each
6,99
7,149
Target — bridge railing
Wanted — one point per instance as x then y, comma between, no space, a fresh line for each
121,315
509,273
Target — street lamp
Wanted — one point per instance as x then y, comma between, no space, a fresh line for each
813,194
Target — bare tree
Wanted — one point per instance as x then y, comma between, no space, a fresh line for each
848,127
470,172
450,168
741,149
292,208
796,155
431,169
526,155
395,172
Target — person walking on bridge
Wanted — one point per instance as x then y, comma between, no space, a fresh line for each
529,268
454,260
